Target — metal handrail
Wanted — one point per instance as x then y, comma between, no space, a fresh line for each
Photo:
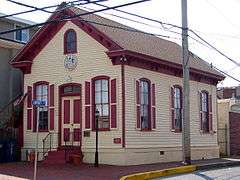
48,138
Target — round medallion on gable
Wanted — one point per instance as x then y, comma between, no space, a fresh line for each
70,62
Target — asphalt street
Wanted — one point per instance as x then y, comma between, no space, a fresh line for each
219,174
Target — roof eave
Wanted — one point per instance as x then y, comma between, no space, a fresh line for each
158,61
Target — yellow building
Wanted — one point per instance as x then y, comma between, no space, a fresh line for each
133,79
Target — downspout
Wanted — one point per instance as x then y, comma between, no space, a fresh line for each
123,104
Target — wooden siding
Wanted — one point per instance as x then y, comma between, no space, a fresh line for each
92,61
163,136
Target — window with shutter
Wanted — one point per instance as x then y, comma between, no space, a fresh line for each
138,104
41,92
101,102
206,111
153,107
144,106
176,110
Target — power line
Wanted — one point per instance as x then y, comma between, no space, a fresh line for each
125,18
128,29
48,7
222,14
235,62
226,74
107,8
29,6
143,17
163,23
71,17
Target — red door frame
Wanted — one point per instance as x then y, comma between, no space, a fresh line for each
60,96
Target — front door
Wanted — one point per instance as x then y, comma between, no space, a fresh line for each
71,121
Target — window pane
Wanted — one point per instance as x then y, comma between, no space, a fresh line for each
97,97
105,124
71,40
145,98
104,85
43,120
44,89
99,108
76,89
145,86
144,122
178,119
98,85
104,97
142,98
141,113
205,122
105,110
25,35
39,90
145,110
67,89
18,35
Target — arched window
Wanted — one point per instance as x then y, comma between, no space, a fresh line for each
178,108
101,100
41,90
205,112
70,42
145,104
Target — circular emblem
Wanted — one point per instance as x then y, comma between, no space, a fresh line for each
70,62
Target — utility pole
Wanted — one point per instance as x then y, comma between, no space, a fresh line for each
186,146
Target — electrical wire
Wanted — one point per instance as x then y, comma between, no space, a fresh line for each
143,17
72,17
29,6
210,45
172,25
226,74
114,8
48,7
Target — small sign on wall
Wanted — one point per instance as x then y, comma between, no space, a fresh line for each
117,140
86,133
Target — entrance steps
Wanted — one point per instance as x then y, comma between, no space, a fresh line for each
62,155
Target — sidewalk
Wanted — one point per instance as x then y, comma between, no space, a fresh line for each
24,170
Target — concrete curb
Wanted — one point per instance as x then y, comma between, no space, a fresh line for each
218,165
160,173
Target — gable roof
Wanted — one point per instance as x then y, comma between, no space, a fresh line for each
144,43
133,41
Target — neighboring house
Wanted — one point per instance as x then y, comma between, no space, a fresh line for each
229,120
11,81
134,80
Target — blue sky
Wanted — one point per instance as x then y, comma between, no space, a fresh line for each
215,20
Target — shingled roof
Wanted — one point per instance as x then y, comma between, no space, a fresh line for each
123,38
144,43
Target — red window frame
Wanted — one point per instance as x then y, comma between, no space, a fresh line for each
94,104
35,109
74,41
149,104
